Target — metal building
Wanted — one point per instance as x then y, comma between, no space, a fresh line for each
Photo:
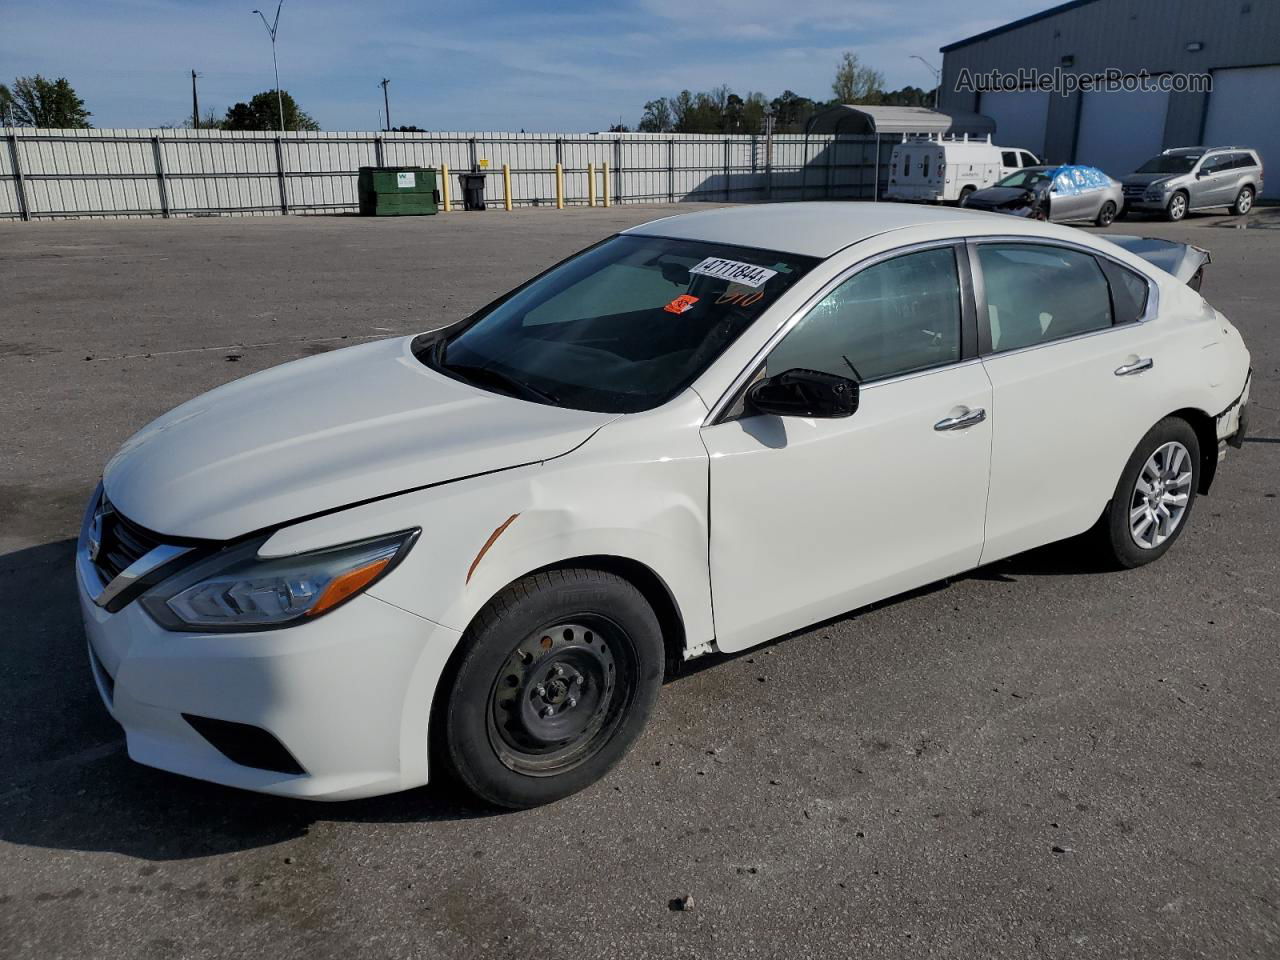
1235,42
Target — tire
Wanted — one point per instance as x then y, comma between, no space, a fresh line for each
554,681
1177,207
1244,202
964,195
1107,215
1170,449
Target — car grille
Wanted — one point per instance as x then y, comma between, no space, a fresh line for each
1132,192
123,542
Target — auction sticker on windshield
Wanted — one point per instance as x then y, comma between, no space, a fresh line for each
748,274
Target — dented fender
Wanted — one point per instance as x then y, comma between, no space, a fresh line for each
629,492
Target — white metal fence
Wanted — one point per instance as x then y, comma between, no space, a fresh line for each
179,173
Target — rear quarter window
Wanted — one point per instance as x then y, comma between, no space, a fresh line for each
1129,291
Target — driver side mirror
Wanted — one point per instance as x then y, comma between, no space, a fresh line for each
804,393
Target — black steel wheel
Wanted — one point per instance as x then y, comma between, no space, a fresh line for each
551,685
561,695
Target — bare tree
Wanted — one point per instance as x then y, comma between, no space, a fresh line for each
855,83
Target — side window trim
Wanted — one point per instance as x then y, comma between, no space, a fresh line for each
980,293
723,409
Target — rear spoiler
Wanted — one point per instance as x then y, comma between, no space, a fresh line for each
1183,260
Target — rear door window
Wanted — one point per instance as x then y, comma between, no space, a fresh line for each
1037,293
1009,158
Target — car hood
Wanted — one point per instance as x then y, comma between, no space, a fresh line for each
998,197
1146,179
323,433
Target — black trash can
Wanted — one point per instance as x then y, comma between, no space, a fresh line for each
472,189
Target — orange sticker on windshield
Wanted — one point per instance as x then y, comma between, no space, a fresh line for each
681,303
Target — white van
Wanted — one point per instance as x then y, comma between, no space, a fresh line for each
934,169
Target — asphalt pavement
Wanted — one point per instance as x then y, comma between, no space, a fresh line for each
1039,759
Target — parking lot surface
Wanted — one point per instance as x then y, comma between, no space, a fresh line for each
1039,759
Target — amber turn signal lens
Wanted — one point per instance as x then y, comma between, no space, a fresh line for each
351,582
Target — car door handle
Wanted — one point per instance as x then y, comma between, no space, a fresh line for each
963,421
1137,366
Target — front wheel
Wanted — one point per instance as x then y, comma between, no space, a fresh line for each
1153,499
1177,208
1107,215
556,678
1244,202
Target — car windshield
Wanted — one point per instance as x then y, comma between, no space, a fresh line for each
622,326
1023,178
1170,163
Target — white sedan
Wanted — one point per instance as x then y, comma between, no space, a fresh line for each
476,551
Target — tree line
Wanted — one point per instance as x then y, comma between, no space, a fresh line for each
36,101
721,110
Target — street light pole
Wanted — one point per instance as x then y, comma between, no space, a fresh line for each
195,103
937,78
271,29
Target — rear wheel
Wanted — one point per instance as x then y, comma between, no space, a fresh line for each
1107,215
1153,499
1244,202
1176,209
557,676
965,193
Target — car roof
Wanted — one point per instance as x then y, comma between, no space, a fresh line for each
812,229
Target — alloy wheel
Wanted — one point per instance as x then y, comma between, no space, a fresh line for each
1160,495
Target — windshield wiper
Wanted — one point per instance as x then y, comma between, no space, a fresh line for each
496,378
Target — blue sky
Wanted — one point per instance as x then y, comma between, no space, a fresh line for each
480,65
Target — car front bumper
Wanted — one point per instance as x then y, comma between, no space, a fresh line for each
348,696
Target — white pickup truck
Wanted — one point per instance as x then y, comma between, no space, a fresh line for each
935,169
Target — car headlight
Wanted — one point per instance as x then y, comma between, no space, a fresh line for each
236,590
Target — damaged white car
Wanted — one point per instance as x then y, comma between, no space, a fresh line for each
476,551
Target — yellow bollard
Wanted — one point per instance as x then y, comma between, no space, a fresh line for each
605,167
559,186
444,187
591,184
506,185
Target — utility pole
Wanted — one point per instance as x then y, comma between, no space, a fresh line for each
386,102
937,78
271,29
195,103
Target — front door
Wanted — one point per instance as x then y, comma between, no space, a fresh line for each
814,517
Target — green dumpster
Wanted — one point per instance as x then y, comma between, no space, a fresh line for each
397,191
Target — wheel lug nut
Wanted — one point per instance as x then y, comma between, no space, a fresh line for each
559,670
571,702
540,690
549,712
579,680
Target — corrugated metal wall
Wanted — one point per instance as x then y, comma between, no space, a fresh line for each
146,173
1172,36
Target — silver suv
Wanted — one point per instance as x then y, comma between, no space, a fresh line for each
1193,178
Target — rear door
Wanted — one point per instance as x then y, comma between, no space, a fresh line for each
1071,364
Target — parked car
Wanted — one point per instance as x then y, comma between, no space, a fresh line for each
1060,194
473,552
1196,178
946,170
